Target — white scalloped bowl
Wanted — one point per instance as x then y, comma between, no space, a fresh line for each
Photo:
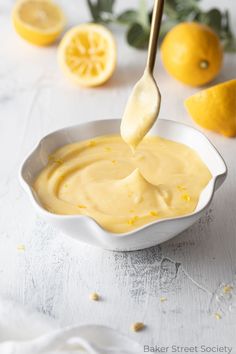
86,229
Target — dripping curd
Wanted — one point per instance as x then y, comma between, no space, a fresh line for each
119,189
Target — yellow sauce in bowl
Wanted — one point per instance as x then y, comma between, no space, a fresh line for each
122,191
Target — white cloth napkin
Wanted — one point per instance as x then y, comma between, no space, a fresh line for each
25,332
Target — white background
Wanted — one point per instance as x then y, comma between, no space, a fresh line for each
54,274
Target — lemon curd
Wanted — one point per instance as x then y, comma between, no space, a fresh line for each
103,179
141,111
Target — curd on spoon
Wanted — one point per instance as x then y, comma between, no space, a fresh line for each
141,111
143,106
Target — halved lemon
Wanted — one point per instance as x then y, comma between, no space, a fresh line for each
87,54
39,22
215,108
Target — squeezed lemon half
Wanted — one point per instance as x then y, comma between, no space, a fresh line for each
87,54
39,22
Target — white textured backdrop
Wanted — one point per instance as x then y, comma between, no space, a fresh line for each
55,274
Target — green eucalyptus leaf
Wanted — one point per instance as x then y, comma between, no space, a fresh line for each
94,10
166,26
230,45
106,5
213,19
226,31
128,17
179,9
101,10
226,22
137,36
143,15
170,9
186,6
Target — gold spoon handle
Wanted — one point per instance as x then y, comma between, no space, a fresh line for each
154,34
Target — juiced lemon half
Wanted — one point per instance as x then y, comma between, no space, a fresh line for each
40,22
87,54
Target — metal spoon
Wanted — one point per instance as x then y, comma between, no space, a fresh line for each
143,105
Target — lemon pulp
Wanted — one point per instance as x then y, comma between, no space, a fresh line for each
87,54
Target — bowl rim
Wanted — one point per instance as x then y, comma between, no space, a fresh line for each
27,188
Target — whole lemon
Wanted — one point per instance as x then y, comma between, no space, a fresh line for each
192,53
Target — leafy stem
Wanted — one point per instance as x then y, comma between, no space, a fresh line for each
138,21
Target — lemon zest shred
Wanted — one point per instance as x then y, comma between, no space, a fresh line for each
92,143
218,316
137,326
153,213
54,159
21,247
180,187
186,197
94,296
133,220
227,289
81,206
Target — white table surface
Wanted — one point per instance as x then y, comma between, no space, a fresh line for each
56,274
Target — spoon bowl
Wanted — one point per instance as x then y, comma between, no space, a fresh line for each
141,110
